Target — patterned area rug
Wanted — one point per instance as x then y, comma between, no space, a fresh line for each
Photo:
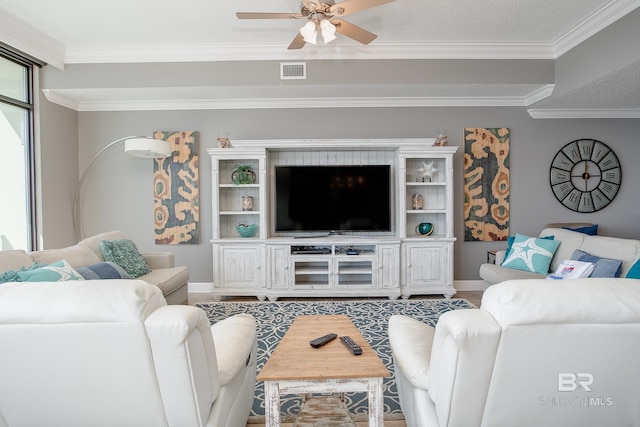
371,317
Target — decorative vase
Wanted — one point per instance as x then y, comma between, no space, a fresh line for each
247,230
243,174
417,202
424,229
441,139
247,203
223,142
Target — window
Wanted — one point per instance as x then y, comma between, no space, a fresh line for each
17,216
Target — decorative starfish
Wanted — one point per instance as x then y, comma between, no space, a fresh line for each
427,170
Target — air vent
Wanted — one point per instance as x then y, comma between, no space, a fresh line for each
293,70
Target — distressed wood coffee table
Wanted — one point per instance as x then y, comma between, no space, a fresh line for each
297,368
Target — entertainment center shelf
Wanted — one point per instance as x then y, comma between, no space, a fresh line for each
413,255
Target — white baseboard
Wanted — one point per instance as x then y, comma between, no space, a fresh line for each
200,288
460,285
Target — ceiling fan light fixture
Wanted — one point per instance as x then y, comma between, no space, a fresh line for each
309,32
328,31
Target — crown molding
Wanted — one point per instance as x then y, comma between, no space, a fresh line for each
28,39
559,113
592,24
63,99
540,94
279,52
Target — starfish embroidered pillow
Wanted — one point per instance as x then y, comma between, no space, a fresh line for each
531,254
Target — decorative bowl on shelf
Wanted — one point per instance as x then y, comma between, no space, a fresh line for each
247,230
243,174
424,229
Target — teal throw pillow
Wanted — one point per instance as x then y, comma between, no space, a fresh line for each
604,267
634,271
57,272
510,240
125,253
591,230
12,275
531,254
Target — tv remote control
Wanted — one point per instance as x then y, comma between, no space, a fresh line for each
319,342
351,345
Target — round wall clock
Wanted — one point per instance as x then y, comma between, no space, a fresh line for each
585,175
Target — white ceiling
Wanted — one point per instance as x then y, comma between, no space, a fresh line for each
64,32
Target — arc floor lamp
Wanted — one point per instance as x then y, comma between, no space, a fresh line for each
137,146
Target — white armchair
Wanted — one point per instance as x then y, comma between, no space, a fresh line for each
112,353
537,353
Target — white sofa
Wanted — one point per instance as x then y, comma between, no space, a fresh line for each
113,353
537,353
171,279
628,250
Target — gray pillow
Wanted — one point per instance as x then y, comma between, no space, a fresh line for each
103,270
605,267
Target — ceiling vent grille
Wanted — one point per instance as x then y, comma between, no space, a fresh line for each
293,70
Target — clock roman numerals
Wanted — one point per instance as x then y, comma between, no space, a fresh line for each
586,148
572,201
586,203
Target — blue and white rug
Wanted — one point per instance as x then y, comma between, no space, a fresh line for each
371,317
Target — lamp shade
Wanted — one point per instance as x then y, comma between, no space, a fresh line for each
147,147
309,33
328,31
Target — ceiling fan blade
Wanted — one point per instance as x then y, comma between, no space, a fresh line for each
298,42
267,15
350,6
353,31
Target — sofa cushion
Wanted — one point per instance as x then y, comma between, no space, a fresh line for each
531,254
15,259
81,301
493,273
59,271
76,256
103,270
569,241
93,242
125,253
612,247
593,301
604,267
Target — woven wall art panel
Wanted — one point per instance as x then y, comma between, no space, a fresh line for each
486,184
176,203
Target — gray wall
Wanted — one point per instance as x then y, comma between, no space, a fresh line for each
57,154
118,192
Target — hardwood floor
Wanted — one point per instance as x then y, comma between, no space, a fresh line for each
474,297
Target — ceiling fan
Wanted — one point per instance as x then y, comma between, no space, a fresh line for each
324,15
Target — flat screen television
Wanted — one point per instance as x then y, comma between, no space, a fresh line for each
333,198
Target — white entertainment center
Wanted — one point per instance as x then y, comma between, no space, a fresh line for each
398,263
